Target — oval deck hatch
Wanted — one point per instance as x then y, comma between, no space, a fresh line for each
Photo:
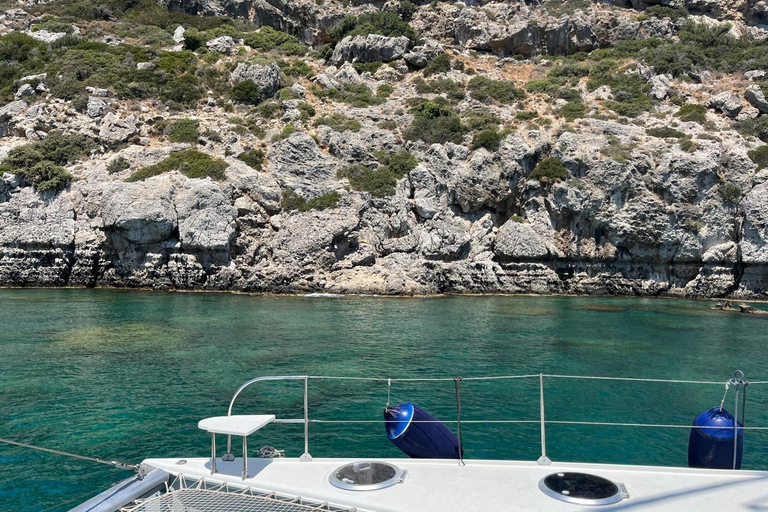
366,476
582,489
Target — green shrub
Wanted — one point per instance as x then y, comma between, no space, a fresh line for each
482,120
526,115
549,170
754,127
617,151
286,93
338,122
267,38
286,132
488,139
759,156
400,163
56,147
323,202
379,182
693,112
542,86
190,162
484,89
307,110
359,95
440,64
292,201
451,89
729,191
252,157
661,11
384,91
299,68
688,145
246,92
183,130
370,67
386,23
665,132
46,175
434,122
692,225
572,110
117,164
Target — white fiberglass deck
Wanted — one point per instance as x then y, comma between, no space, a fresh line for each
445,486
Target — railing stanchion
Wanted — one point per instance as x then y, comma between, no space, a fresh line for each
543,460
306,457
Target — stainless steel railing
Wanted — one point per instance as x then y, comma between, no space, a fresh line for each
738,382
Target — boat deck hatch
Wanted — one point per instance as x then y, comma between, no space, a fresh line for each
367,476
582,489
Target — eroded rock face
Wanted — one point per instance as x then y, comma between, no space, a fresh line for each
267,78
298,163
370,48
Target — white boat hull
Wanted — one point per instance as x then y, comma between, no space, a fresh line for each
447,486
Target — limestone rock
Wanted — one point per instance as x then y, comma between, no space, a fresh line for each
297,163
223,44
8,115
115,130
139,213
178,34
516,240
25,90
96,107
45,36
421,55
755,75
754,235
370,48
727,103
661,85
206,219
267,78
756,98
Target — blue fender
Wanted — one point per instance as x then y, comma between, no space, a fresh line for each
419,434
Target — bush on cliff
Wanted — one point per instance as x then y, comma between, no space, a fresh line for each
488,139
190,162
246,92
252,157
292,201
434,122
267,38
184,130
379,181
549,170
487,90
760,157
338,122
385,23
57,148
693,112
46,175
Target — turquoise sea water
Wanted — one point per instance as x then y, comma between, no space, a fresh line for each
127,375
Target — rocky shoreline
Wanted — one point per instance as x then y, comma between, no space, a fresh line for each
581,174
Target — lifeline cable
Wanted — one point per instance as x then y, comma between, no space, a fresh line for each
114,463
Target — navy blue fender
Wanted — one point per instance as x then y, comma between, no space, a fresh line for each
713,447
419,434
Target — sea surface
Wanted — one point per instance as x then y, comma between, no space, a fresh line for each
127,375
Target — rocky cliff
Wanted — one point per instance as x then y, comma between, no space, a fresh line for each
508,147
